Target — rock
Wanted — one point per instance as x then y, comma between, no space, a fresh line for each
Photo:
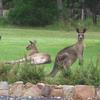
16,89
4,88
4,85
46,90
98,92
41,85
19,82
57,91
28,85
68,91
84,92
32,91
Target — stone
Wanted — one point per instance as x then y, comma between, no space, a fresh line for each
4,88
33,91
68,91
57,91
46,90
41,85
84,92
98,92
16,89
28,85
4,85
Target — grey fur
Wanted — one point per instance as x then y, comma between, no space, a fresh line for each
67,56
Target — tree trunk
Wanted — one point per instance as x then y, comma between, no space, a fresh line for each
82,14
94,17
83,11
60,9
1,8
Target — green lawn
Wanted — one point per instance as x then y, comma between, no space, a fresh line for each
14,41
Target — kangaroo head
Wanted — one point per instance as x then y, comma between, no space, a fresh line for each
31,45
81,33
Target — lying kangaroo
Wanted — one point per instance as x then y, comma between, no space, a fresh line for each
34,57
32,48
67,56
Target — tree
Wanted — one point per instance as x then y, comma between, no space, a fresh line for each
33,12
82,10
1,8
60,9
7,3
93,5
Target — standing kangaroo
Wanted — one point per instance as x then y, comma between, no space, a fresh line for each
67,56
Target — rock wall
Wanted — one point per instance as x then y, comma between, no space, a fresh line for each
68,92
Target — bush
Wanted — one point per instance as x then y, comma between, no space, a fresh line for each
33,12
24,72
3,21
4,70
89,75
85,75
31,73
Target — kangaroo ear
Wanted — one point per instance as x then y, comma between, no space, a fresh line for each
31,42
77,30
84,30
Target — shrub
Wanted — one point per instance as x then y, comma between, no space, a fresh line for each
31,73
24,72
89,75
3,21
33,12
4,69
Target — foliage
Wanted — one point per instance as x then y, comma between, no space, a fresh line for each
31,73
14,41
3,21
7,3
4,70
73,9
25,72
40,13
33,12
88,74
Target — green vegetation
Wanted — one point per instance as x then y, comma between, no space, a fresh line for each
58,20
33,12
40,13
14,41
25,73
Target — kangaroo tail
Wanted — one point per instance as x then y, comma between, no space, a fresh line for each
16,61
54,70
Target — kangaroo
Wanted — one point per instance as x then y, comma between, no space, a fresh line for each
67,56
32,48
33,56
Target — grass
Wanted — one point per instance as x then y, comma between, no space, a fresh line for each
14,40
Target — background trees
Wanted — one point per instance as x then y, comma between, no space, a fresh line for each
40,12
94,7
1,8
33,12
